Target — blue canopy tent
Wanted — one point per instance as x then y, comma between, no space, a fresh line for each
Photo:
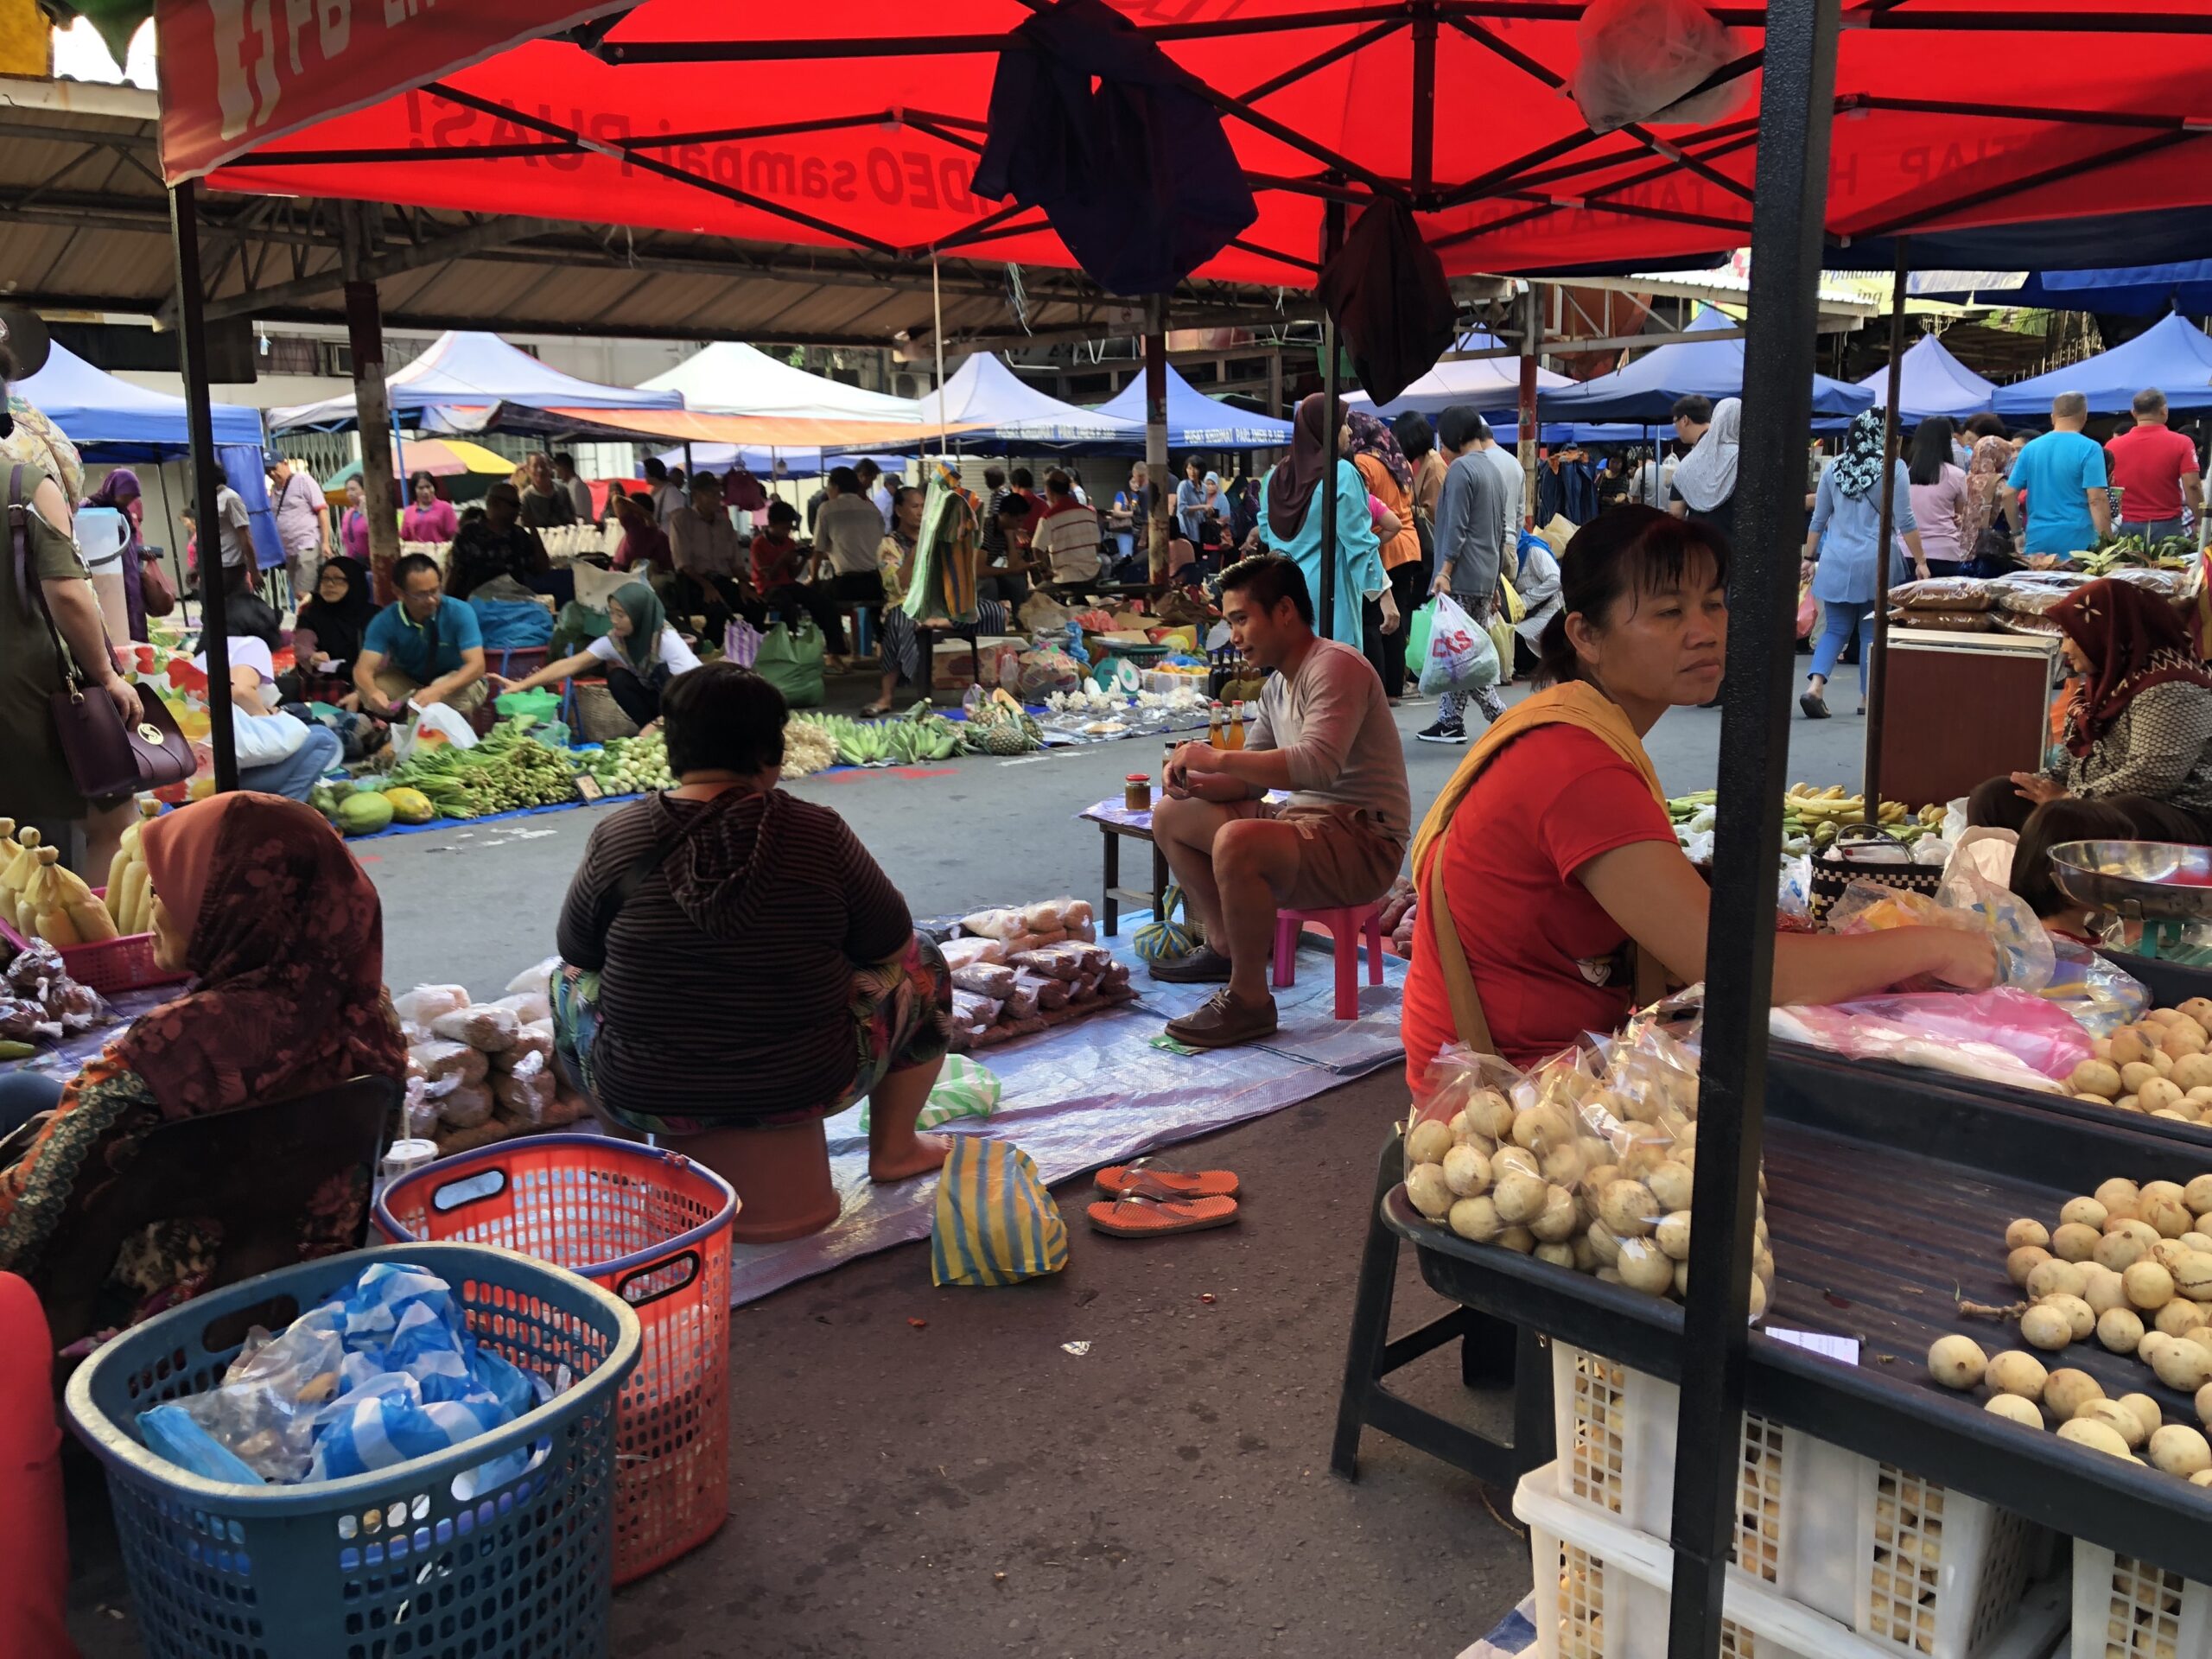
1932,382
1004,414
2128,290
115,423
2173,355
1646,389
468,383
1487,383
762,463
1197,422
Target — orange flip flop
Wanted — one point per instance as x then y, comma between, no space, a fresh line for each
1142,1178
1134,1216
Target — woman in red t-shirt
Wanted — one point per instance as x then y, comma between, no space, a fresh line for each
1556,847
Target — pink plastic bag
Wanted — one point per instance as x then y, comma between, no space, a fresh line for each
1999,1036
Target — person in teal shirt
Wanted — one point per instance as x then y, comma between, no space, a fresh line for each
425,648
2063,473
1290,524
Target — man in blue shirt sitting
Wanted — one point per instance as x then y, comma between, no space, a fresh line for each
424,649
2063,473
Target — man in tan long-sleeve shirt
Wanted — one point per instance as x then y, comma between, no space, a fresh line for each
1323,734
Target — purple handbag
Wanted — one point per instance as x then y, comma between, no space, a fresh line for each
107,758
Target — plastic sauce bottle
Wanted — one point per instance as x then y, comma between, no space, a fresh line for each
1236,740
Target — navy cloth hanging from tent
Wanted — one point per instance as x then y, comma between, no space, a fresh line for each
1137,177
1387,290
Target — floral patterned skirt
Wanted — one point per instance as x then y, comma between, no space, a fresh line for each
898,1008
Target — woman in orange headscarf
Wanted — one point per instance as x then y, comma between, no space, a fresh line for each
260,901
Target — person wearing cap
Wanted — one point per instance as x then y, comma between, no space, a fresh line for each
425,648
497,544
302,524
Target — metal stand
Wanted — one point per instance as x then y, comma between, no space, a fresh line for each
1493,1353
206,476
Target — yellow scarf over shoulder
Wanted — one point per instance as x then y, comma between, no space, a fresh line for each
1574,704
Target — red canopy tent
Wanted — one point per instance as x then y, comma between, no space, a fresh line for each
870,140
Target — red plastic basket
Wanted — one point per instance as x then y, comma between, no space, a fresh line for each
653,1228
110,965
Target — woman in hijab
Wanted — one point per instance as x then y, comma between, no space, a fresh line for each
639,652
327,637
1389,479
1982,541
1290,523
1704,483
2136,764
1840,552
119,489
258,899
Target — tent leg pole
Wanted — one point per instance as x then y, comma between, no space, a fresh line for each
1532,325
1791,195
371,406
1157,482
1332,240
199,424
1878,653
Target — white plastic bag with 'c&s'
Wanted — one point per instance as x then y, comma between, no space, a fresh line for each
1461,657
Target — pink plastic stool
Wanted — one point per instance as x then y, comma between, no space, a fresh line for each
1347,927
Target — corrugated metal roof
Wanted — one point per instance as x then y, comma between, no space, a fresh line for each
84,226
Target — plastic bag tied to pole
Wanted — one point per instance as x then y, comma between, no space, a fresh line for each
386,1373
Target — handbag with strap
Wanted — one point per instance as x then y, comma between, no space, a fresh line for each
107,757
156,593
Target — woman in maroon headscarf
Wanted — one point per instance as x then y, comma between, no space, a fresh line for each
2137,764
260,901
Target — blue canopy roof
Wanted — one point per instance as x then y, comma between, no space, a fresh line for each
2174,355
1646,389
2126,290
111,421
1197,422
502,386
762,463
1485,384
1932,383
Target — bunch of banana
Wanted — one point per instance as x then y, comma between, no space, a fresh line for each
129,900
1812,808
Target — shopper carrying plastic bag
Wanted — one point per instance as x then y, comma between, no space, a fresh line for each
1461,657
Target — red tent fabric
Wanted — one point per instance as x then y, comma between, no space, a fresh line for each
747,120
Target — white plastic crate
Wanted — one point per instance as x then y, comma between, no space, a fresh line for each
2124,1609
1901,1562
1603,1591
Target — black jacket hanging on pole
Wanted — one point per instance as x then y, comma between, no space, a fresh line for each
1138,177
1388,292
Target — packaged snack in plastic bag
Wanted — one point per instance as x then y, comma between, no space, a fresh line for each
528,1005
1046,992
482,1025
465,1106
525,1098
2005,1035
442,1061
1969,904
972,1012
1067,960
534,1039
996,924
425,1003
536,977
1945,593
966,953
985,979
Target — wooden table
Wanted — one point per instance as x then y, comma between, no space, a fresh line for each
1115,823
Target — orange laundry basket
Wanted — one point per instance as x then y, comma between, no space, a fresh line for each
653,1228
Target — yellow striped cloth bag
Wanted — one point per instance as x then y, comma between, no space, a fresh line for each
996,1224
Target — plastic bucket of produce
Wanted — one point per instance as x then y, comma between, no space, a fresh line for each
413,1558
653,1228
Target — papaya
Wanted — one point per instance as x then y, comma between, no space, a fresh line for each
364,813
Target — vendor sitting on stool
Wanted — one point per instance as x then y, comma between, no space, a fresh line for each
423,648
639,653
2138,760
1325,734
733,959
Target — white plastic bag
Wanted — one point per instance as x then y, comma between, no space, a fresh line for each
1460,655
1640,59
437,718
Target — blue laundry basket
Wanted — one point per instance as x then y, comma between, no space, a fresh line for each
385,1566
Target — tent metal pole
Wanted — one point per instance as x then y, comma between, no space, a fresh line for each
1157,484
1333,241
372,413
936,338
1532,324
199,427
1786,247
1878,653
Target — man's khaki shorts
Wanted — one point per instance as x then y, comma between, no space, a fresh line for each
1344,858
399,687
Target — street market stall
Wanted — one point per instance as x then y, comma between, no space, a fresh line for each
1590,191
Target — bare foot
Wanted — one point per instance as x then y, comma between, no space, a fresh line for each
921,1154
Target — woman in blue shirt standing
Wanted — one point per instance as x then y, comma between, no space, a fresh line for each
1840,554
1290,523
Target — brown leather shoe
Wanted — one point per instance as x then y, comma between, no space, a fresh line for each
1202,966
1224,1022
